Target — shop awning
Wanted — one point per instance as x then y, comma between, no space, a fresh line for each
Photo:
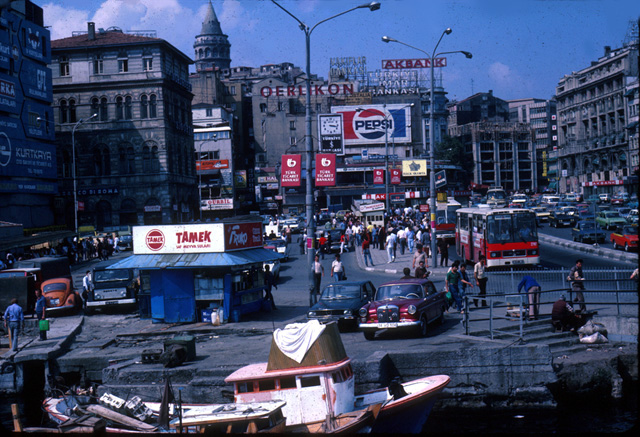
196,260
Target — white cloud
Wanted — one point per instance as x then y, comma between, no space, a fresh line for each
507,82
62,21
234,16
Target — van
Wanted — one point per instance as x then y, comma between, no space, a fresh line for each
113,288
551,200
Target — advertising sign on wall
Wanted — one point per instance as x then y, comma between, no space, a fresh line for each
241,178
369,125
27,158
11,97
36,81
35,41
215,204
395,175
291,170
325,169
242,236
330,133
37,120
414,167
378,176
212,164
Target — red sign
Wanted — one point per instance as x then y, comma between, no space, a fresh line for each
80,205
155,240
291,170
301,90
378,176
325,169
242,236
396,173
212,164
424,208
601,183
401,64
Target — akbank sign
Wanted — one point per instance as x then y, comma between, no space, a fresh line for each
367,124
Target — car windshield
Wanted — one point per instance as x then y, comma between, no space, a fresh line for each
588,225
111,275
496,195
56,286
613,215
629,230
399,291
503,228
278,243
332,292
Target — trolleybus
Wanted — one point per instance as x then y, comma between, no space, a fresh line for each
506,237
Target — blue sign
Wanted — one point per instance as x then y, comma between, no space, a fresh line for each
35,41
10,94
40,187
37,120
36,81
12,127
5,49
27,158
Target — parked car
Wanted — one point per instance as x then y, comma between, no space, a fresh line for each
626,238
572,197
125,242
604,197
113,288
405,304
587,231
632,217
280,246
560,217
341,301
610,219
61,297
620,199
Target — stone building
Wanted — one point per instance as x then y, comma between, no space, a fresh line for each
135,158
501,150
595,153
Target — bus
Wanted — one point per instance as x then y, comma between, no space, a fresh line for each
507,237
446,218
496,197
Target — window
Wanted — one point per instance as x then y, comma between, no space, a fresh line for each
280,106
144,106
131,161
245,387
122,161
119,108
95,105
147,64
127,108
152,106
287,382
266,385
263,107
292,141
155,160
209,112
309,381
104,109
64,66
292,125
146,159
97,65
123,65
318,107
64,109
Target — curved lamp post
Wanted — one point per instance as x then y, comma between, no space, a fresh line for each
432,176
73,164
309,204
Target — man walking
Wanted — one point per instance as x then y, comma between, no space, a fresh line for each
443,248
318,273
366,252
337,269
390,246
533,291
419,257
577,284
481,279
41,307
87,287
269,283
402,240
14,322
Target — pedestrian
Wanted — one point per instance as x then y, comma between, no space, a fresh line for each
532,288
443,249
318,273
374,237
342,243
269,283
577,284
402,240
464,279
41,308
389,245
382,238
87,287
407,273
452,285
410,236
481,279
323,245
419,256
421,270
563,316
303,244
14,322
337,269
425,240
366,251
116,241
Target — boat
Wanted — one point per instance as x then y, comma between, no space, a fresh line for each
309,369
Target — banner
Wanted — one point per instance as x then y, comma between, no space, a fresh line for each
291,170
414,167
378,176
370,123
395,176
325,169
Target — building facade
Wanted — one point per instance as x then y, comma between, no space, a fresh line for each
595,152
135,159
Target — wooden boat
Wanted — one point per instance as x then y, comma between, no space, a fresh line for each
321,386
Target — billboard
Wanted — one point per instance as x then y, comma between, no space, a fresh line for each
330,133
414,167
27,158
35,42
36,81
396,176
378,176
37,120
368,124
11,97
291,170
325,169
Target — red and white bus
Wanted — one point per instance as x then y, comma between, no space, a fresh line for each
507,237
446,218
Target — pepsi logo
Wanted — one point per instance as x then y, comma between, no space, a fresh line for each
371,124
155,240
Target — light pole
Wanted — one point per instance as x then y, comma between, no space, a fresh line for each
73,164
432,165
309,204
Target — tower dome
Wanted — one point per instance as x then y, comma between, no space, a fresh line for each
212,47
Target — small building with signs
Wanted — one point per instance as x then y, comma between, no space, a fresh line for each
185,269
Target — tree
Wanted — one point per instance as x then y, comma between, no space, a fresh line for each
453,151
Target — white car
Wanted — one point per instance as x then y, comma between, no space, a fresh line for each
280,246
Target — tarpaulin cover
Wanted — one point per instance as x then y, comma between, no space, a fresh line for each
295,339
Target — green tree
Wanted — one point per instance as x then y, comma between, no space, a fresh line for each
452,150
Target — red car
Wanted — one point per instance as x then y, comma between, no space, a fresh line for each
403,305
626,238
60,295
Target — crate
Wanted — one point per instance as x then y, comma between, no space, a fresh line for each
151,356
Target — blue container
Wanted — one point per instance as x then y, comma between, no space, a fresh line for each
144,305
235,316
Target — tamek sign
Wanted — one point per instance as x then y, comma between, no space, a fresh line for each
325,169
291,170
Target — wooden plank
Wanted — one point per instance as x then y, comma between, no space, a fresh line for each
15,411
120,418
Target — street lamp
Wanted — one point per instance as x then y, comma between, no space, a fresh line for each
386,149
73,164
432,166
309,205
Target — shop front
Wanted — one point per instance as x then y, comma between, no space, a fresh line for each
185,269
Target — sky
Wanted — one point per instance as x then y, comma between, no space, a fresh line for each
520,48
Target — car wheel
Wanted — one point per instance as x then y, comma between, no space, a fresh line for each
626,247
615,245
88,311
369,335
424,327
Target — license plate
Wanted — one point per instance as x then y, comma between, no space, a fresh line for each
111,302
55,302
388,325
518,261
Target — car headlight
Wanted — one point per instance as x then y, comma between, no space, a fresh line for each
98,296
532,252
363,312
123,293
411,309
347,312
311,314
495,254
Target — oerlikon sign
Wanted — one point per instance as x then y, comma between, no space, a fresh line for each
200,238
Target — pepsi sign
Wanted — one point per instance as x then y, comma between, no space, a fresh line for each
368,124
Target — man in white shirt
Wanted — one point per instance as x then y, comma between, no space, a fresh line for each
389,244
402,240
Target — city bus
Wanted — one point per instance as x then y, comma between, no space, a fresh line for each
446,219
507,237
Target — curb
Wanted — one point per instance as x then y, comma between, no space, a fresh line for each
585,248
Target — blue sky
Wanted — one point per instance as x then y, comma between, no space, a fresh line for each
520,48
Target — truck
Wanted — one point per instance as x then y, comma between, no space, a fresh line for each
113,288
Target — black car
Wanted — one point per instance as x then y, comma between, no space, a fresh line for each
560,217
341,301
334,236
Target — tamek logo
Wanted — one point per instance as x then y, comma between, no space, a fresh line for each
325,162
155,240
291,162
